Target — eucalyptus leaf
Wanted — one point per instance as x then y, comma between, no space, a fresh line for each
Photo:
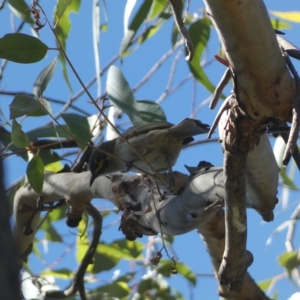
35,173
150,111
61,7
20,9
287,181
44,78
157,7
80,128
49,131
115,290
23,104
155,27
182,269
292,16
18,137
51,233
120,94
279,24
63,27
122,249
43,110
265,284
22,48
289,260
199,32
135,24
60,273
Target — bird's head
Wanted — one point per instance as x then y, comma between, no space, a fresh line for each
98,164
101,163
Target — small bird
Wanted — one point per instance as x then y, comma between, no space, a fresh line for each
159,143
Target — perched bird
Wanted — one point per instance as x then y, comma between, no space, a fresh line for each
159,143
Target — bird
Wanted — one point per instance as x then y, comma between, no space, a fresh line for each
159,143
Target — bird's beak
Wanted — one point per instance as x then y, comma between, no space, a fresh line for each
93,177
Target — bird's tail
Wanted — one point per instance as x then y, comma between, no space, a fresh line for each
189,127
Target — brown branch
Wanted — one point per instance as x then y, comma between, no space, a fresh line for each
78,281
213,235
236,259
177,7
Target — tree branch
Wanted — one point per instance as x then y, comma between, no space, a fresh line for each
213,235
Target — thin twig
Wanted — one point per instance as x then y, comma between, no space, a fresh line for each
289,240
171,76
175,88
157,65
78,281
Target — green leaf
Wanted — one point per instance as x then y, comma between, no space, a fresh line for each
61,7
165,267
108,256
279,24
154,28
18,137
79,126
35,174
150,111
292,16
62,29
287,181
22,48
157,7
122,249
65,71
51,233
120,94
5,138
44,78
60,273
135,24
265,284
23,104
43,110
146,285
48,156
20,9
54,167
103,262
57,214
289,260
49,131
116,290
199,32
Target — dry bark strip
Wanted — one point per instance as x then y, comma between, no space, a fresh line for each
264,93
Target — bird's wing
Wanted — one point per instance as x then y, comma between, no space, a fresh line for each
143,128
